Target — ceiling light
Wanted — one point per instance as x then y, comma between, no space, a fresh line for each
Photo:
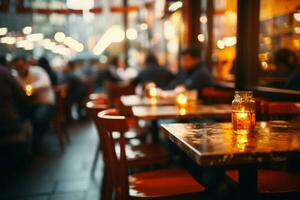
175,6
3,31
59,36
131,34
27,30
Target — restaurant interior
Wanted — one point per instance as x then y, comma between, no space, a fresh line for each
149,99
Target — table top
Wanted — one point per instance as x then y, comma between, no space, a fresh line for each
136,100
217,145
218,111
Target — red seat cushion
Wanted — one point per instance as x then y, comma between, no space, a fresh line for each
166,182
273,181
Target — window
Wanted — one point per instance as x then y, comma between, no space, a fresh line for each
224,38
279,41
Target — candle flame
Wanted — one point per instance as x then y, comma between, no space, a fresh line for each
242,115
153,92
181,100
28,90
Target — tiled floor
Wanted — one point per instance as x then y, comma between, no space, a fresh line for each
57,176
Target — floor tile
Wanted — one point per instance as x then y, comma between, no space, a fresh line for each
35,198
72,186
68,196
93,195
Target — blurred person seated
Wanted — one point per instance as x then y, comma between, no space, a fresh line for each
125,73
76,91
116,71
294,79
37,86
153,72
194,75
44,63
14,105
110,72
285,61
3,62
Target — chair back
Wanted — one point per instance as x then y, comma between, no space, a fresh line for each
60,92
116,90
94,107
110,121
98,96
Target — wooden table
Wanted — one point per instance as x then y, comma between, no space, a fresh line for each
155,113
136,100
217,145
173,112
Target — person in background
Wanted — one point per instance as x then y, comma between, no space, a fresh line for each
76,91
195,75
44,63
285,61
3,61
110,73
153,72
14,105
294,79
126,73
37,85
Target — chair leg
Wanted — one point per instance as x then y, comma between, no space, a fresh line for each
107,186
96,157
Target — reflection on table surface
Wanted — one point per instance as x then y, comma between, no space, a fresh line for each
217,144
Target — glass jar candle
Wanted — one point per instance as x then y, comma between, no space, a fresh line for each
181,100
243,112
28,90
151,90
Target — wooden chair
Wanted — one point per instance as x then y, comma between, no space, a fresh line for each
59,118
273,182
213,95
139,155
116,90
166,183
92,109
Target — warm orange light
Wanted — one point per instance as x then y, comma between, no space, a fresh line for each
28,90
153,92
242,141
182,100
182,111
153,101
242,115
243,121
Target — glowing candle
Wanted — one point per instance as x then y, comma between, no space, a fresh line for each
182,100
28,90
243,112
182,111
153,92
243,121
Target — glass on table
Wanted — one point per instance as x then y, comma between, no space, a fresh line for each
243,112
